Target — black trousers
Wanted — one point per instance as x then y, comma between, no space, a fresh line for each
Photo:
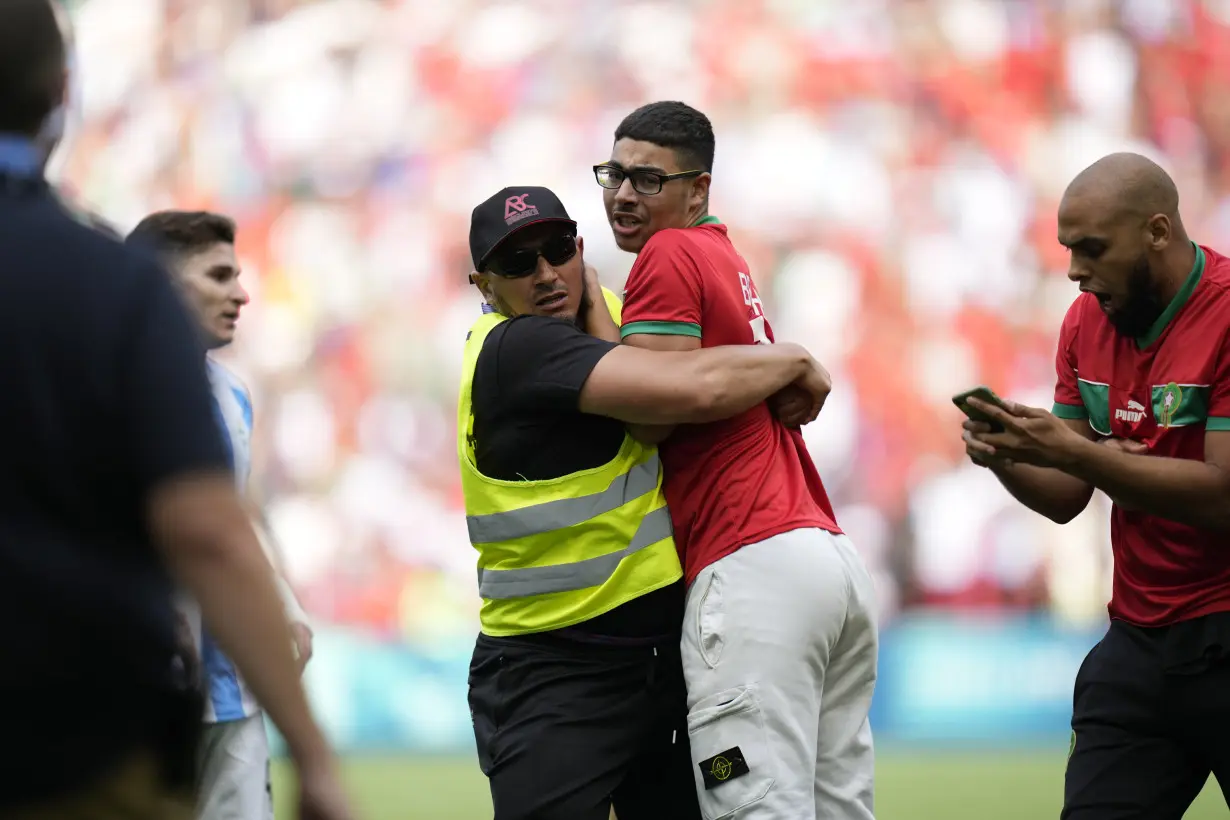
566,729
1150,721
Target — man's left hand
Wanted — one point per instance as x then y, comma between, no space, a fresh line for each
1031,435
302,635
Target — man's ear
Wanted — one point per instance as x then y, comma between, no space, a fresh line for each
483,282
1160,232
700,189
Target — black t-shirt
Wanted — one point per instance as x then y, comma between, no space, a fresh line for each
105,398
525,394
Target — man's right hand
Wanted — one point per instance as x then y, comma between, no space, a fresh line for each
321,796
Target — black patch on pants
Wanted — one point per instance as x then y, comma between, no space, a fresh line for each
723,767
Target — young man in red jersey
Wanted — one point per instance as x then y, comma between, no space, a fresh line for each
779,639
1142,412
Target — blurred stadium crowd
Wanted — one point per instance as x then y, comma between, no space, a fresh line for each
890,168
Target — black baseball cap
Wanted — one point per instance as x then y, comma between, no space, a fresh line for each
509,211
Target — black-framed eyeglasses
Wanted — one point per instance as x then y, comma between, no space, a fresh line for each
647,183
521,262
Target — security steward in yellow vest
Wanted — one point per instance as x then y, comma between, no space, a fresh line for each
576,690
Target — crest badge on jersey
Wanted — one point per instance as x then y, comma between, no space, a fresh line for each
1172,399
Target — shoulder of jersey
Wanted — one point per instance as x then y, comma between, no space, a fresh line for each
233,380
1217,273
677,237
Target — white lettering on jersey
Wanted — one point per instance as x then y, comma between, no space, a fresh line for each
756,313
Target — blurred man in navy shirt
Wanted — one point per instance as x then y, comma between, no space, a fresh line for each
113,480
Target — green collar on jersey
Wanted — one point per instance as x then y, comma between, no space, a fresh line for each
1177,303
706,220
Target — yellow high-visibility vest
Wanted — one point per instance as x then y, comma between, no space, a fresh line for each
558,552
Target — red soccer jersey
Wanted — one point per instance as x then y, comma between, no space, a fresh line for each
1165,389
734,482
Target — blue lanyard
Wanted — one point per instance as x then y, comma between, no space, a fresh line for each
20,157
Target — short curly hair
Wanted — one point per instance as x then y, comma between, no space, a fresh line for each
673,125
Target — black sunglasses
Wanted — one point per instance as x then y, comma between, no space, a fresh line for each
646,183
519,263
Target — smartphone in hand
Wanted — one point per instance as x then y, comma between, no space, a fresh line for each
982,393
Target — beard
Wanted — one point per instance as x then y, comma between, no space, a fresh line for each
1142,306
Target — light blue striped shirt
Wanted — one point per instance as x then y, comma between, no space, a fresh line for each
228,698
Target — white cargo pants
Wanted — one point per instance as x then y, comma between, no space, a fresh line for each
779,653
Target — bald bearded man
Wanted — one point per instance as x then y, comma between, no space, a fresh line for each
1142,412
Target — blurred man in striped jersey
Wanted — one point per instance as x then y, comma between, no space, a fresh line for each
198,249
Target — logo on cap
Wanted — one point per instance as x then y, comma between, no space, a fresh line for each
516,209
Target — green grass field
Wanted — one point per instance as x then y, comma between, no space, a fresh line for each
910,786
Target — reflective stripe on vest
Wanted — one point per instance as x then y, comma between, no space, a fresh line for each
564,512
500,584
